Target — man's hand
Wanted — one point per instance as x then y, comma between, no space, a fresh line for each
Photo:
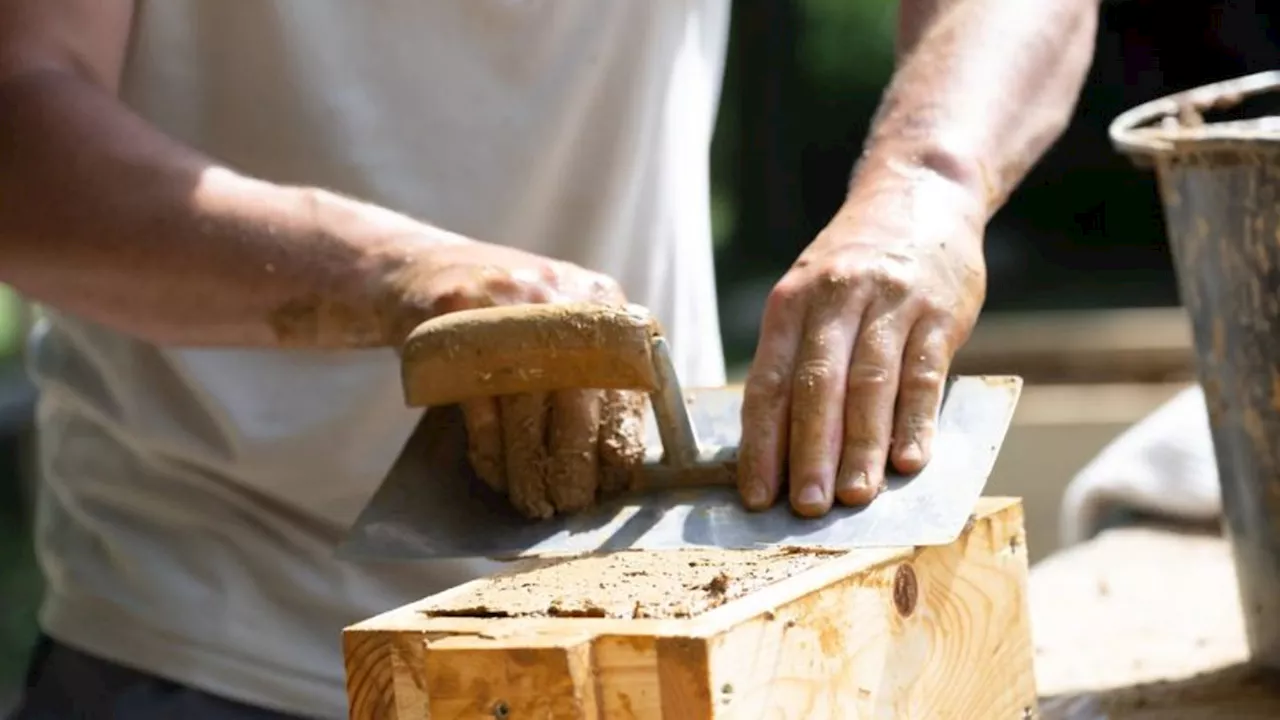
855,346
548,453
236,261
858,337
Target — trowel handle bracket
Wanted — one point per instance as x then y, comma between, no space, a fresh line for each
670,411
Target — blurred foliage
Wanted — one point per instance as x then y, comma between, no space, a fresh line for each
846,46
11,326
19,597
19,579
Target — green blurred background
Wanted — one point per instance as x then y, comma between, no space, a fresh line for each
19,580
803,79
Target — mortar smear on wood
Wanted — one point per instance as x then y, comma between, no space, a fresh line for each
630,584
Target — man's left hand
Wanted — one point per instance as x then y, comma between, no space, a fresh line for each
855,346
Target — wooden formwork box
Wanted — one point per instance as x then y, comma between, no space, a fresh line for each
915,633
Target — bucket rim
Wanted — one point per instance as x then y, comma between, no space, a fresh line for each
1131,132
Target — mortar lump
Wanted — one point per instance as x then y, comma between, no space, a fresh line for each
629,584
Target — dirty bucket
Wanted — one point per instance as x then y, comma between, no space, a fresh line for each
1219,183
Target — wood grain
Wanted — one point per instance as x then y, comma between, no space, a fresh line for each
909,632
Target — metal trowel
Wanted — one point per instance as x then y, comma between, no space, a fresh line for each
432,505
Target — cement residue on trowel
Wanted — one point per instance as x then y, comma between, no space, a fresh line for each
631,584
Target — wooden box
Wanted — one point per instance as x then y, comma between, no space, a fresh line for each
914,633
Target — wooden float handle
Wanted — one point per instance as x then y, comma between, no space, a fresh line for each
516,349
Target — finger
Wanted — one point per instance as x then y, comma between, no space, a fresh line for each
621,444
766,401
870,396
484,441
524,444
573,433
817,406
925,362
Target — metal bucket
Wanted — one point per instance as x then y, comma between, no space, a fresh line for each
1220,187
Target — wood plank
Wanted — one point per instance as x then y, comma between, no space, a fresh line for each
1095,346
1144,623
898,632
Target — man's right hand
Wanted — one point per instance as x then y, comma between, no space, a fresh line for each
172,247
548,452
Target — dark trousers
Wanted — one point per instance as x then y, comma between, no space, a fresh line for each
66,684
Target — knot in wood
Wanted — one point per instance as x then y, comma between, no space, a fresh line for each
501,710
905,590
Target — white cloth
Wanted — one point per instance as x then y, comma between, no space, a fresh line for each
1163,465
192,499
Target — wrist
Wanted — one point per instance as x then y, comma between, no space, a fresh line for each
368,265
933,178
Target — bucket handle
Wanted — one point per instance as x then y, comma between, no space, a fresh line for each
1126,130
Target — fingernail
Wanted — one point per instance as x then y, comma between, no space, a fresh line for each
811,495
856,489
857,481
756,494
912,452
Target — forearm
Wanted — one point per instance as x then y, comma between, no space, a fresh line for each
103,216
982,89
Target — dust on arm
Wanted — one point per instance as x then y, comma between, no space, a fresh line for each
104,216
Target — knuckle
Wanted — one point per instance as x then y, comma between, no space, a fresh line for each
893,279
938,312
863,444
499,280
919,378
536,293
814,375
530,287
834,277
604,287
494,285
766,384
574,282
784,296
454,299
869,375
550,274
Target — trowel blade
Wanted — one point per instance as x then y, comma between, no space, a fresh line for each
432,506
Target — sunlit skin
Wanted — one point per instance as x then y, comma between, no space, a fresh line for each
859,334
173,247
104,216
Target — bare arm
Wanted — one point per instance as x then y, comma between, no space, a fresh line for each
982,89
858,336
104,216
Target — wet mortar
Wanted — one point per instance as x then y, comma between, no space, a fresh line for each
631,584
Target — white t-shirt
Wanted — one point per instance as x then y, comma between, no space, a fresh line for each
192,499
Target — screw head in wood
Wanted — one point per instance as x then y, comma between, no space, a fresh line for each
501,710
